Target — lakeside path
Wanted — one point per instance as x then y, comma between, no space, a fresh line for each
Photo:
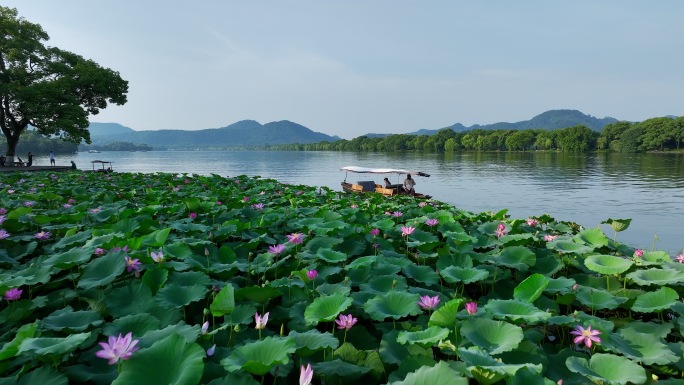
35,168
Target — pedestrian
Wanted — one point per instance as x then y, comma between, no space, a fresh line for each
30,159
52,158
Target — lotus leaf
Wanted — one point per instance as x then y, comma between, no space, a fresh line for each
441,374
331,256
515,257
326,308
597,299
395,305
640,347
422,274
454,274
224,302
174,295
71,320
338,368
44,346
77,238
10,349
608,369
568,247
102,270
592,237
530,288
312,341
384,284
492,336
655,301
188,332
607,264
172,360
259,294
43,376
618,224
445,315
486,370
427,337
559,285
260,356
137,324
515,310
659,277
391,351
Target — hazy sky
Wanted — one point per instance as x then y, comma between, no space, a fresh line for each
352,67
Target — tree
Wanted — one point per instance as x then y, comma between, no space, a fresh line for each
45,87
576,139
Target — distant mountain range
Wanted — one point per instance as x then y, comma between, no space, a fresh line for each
549,120
245,133
249,133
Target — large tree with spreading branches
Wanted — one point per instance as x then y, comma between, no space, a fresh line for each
47,88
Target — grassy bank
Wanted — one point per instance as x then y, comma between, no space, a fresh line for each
242,280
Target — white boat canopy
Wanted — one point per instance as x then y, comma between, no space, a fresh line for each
366,170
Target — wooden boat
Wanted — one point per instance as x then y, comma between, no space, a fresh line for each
369,186
106,166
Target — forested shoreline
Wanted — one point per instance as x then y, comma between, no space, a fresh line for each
656,134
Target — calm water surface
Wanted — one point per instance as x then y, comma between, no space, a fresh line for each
587,189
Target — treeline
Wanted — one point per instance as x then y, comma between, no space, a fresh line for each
117,146
39,145
655,134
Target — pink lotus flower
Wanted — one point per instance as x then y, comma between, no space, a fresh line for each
13,294
132,264
157,257
99,251
501,230
680,258
258,206
3,211
192,215
354,206
4,234
205,327
432,222
406,231
427,302
66,206
29,203
2,219
305,375
471,308
587,336
43,235
261,321
375,232
550,238
532,222
345,321
638,253
95,210
245,199
71,201
312,274
118,348
295,238
218,203
397,214
422,204
276,249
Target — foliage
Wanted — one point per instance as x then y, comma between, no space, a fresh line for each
95,276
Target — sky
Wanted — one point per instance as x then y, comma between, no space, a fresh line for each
353,67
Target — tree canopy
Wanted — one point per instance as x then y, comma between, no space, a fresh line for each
47,88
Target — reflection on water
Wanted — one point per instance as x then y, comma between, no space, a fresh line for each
588,189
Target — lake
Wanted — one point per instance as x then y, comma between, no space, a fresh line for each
582,188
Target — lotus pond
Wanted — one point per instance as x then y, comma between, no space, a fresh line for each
186,279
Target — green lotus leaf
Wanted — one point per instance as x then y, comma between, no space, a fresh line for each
516,239
338,368
441,374
331,256
190,278
618,224
261,356
178,250
259,294
155,278
44,346
326,308
445,315
607,264
486,370
597,299
515,310
655,257
608,369
137,324
454,274
547,265
530,288
130,299
560,285
72,320
515,257
655,330
174,295
224,302
592,237
659,277
491,335
326,227
102,270
78,238
43,376
568,247
156,238
427,337
330,289
640,347
459,237
422,274
363,262
69,259
10,349
236,378
189,333
172,360
395,305
655,301
312,341
384,284
320,242
391,351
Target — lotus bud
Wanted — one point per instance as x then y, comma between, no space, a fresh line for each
205,311
282,329
206,252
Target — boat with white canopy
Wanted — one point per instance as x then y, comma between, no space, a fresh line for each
367,186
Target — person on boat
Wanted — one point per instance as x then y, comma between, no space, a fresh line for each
408,185
388,184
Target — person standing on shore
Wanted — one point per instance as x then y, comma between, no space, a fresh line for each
30,159
52,158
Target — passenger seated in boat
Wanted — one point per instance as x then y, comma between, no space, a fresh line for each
408,185
388,184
